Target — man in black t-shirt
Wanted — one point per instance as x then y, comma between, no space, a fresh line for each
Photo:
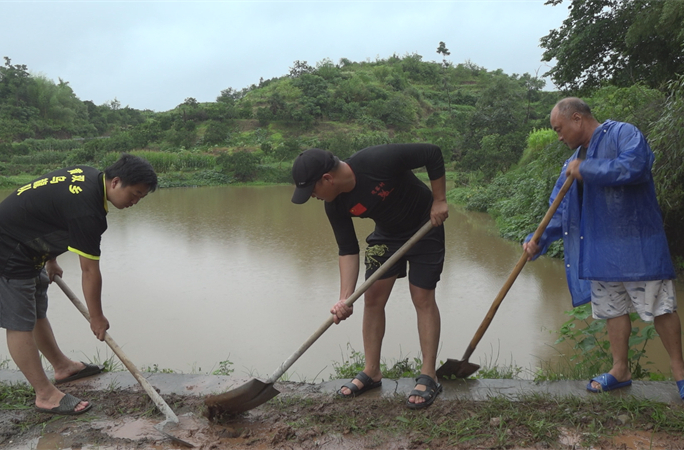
64,210
378,183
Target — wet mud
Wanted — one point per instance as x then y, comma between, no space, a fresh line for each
301,417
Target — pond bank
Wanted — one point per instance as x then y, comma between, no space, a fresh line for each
468,390
470,414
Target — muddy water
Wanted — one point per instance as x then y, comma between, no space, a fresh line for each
193,277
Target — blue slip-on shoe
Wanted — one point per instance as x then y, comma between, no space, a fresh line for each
608,383
680,387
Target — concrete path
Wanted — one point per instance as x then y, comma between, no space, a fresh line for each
478,390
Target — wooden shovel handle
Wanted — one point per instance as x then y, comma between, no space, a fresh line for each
154,395
350,300
516,270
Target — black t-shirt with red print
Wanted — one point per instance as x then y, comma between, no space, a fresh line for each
386,191
63,210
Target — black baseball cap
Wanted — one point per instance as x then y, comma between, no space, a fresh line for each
309,167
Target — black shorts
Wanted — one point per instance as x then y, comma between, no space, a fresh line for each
425,258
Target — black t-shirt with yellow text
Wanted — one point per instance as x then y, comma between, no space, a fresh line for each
62,210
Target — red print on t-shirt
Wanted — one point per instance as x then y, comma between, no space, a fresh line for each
378,190
358,209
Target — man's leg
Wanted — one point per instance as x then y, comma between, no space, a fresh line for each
24,352
374,302
669,328
47,345
427,313
619,329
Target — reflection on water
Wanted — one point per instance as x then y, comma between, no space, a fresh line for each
197,276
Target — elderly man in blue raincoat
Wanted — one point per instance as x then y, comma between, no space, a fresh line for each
616,252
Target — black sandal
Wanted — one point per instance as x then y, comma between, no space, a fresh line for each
368,384
429,394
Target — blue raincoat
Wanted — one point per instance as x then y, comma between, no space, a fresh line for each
615,231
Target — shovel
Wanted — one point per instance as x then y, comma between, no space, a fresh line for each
154,395
255,392
464,368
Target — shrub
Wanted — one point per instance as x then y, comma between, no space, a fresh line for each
242,164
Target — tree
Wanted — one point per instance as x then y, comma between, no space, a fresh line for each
145,133
400,112
314,98
15,113
299,68
242,164
495,135
418,70
327,70
218,133
191,102
341,145
667,139
245,109
442,50
620,42
290,148
183,134
277,104
230,96
534,86
635,104
34,106
499,110
264,116
14,82
96,116
495,154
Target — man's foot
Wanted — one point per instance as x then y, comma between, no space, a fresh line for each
78,371
677,370
360,384
606,382
67,405
425,392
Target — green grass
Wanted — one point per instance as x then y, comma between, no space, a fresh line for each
225,368
16,396
500,422
111,362
154,368
354,362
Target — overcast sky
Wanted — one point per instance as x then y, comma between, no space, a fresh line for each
155,54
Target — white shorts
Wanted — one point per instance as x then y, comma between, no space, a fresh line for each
610,299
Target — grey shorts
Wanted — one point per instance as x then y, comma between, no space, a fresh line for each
649,299
22,302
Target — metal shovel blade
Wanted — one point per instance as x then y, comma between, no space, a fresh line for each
248,396
161,428
456,368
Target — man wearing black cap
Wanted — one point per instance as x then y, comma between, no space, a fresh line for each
378,183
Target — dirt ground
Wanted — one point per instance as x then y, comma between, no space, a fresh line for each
296,419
